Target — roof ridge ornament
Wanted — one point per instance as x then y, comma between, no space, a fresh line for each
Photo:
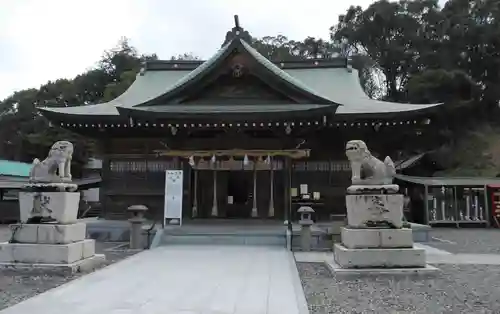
237,22
237,32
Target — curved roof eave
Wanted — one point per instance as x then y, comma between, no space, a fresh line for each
145,86
56,115
386,110
229,112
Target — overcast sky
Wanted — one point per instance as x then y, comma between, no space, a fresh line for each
42,40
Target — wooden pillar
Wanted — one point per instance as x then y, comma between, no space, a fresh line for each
476,204
426,204
215,210
467,203
271,188
287,170
255,212
443,203
489,217
194,209
105,176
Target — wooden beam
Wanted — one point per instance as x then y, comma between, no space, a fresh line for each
292,153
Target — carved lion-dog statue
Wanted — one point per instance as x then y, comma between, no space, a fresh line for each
56,168
366,169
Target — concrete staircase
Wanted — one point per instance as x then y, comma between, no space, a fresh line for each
222,235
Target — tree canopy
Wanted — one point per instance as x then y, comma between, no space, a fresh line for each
407,51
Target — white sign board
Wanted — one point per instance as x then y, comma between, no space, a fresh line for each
173,195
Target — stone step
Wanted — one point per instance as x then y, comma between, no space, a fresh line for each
214,239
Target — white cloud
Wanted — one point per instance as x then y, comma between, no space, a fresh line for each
51,39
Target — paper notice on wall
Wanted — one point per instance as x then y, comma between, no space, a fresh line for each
230,199
293,192
303,189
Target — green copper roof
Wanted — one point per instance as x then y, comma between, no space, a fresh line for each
14,168
279,72
449,181
236,44
337,86
199,70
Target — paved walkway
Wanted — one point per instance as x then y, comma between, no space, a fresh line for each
182,280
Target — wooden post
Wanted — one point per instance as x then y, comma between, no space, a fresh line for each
443,203
467,193
271,189
426,204
194,210
215,210
255,213
489,215
105,176
287,171
455,205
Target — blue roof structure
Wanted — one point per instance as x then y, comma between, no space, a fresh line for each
14,168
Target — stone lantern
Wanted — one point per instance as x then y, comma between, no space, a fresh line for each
305,230
136,222
305,215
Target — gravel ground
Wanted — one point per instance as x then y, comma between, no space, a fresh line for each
18,285
472,241
464,289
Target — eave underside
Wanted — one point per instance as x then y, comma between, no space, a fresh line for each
249,113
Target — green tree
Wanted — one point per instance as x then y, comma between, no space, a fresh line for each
401,37
472,43
439,85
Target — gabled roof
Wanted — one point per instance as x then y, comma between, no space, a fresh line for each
328,87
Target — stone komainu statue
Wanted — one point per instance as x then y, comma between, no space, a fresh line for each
56,168
366,169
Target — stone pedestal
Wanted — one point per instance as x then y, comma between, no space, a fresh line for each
59,245
374,238
366,209
378,248
59,206
51,246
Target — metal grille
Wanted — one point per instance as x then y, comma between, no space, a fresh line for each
325,166
142,165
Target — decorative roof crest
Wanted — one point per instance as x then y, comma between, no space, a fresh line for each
237,32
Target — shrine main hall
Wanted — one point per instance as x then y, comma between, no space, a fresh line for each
255,138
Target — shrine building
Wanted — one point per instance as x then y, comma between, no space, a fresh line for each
255,138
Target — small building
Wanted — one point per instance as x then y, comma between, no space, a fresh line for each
12,175
254,137
451,201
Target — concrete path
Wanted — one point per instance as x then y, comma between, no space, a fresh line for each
182,280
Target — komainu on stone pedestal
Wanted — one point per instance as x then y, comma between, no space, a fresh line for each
371,200
49,235
375,237
50,195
